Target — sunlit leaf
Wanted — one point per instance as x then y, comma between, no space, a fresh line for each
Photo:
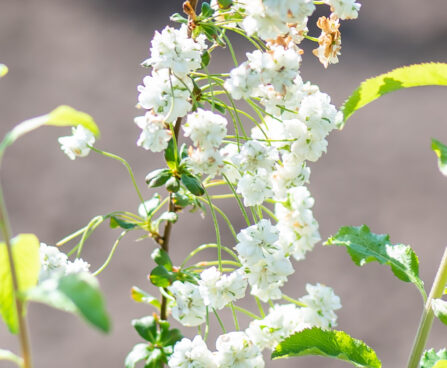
140,296
364,246
439,308
409,76
25,250
68,116
441,151
3,70
330,344
430,358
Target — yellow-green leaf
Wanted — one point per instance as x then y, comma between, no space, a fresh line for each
67,116
427,74
441,151
7,355
441,364
25,250
3,70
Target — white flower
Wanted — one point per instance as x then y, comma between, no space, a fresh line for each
205,128
255,155
257,242
298,230
52,261
281,322
230,170
154,135
322,301
191,354
189,307
77,266
208,162
165,95
236,350
242,82
290,174
268,18
344,9
55,264
173,49
77,144
268,275
218,290
255,188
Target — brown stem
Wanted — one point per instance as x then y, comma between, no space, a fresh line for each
23,330
168,229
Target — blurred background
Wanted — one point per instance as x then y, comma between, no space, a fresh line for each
379,170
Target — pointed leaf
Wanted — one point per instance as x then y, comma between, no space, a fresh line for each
171,155
149,206
441,151
140,296
439,307
117,222
67,116
158,177
146,328
25,252
327,343
83,290
7,355
409,76
138,353
431,357
364,247
156,359
161,258
193,184
161,277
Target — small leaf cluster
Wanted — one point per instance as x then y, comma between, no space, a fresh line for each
160,341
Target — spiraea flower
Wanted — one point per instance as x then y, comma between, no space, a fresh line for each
77,145
329,41
173,49
189,308
254,155
344,9
165,94
236,350
154,135
192,354
218,290
205,128
255,188
323,302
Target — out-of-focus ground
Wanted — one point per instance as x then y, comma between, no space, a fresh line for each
379,170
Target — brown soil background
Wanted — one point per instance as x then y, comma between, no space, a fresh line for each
379,170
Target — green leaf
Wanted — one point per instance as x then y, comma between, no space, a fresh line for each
138,353
155,359
117,222
441,151
178,18
426,74
25,252
3,70
140,296
327,343
364,247
431,357
173,184
67,116
206,10
206,57
161,277
439,308
161,258
440,364
225,4
158,177
83,290
166,336
7,355
193,184
146,328
47,292
149,206
171,155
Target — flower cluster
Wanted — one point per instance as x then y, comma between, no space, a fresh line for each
264,166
